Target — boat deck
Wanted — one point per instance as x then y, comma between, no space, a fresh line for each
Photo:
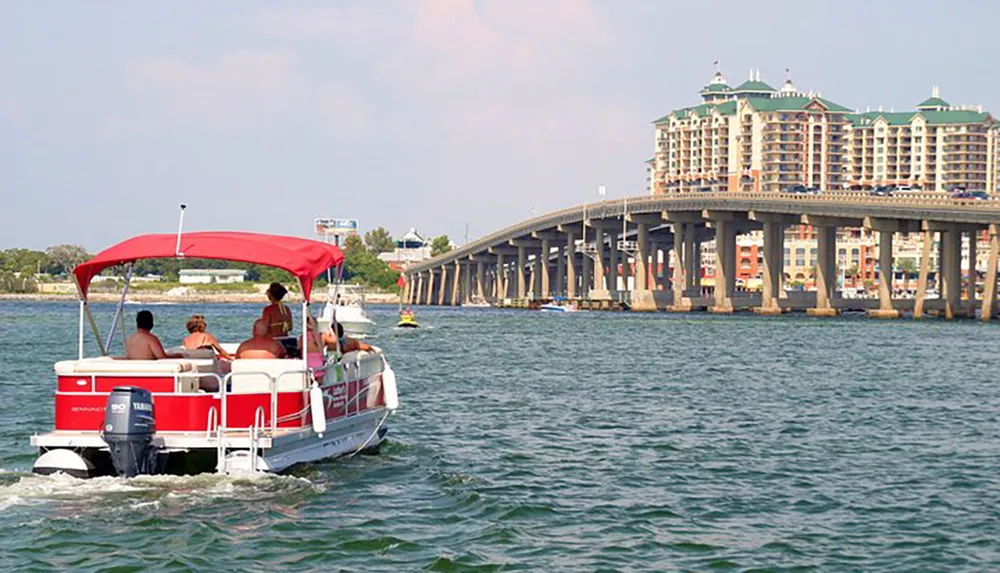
172,440
233,438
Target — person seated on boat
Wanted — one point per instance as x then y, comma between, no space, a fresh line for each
198,338
348,344
260,345
144,345
276,314
318,343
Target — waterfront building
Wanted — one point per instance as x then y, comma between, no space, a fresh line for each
410,248
753,137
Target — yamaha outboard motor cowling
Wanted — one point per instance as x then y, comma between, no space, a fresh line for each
129,426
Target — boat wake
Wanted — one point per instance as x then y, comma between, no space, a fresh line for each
148,491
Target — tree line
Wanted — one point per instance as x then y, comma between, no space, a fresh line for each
19,267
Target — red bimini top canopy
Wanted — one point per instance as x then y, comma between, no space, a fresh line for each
304,258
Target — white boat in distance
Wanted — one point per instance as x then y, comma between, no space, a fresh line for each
558,307
347,303
476,302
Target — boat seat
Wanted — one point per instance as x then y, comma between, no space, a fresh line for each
191,373
248,375
192,353
362,364
107,365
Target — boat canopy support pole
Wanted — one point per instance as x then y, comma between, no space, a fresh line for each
93,327
85,310
118,311
80,343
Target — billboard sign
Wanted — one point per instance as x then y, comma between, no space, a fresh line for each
337,227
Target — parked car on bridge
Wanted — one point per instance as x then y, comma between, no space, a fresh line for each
881,191
804,190
974,194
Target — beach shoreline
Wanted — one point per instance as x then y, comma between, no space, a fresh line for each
191,298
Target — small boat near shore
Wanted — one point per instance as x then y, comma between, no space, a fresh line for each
476,302
347,304
200,413
558,306
407,320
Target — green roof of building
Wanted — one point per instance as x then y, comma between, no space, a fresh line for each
753,86
723,108
932,117
715,89
954,116
793,103
933,102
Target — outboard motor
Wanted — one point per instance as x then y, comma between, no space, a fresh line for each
129,426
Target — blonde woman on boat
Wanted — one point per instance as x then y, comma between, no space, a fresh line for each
199,338
277,315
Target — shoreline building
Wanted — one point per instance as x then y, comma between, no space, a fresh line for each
411,248
754,138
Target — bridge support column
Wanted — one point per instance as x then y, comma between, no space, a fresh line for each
570,265
521,263
970,287
925,269
692,261
456,277
885,274
951,249
543,288
990,281
613,260
694,279
536,276
443,289
560,286
430,288
774,249
420,289
600,280
501,279
641,257
826,271
586,270
679,286
466,284
725,266
480,279
642,296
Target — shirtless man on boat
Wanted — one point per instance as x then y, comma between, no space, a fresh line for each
144,345
261,345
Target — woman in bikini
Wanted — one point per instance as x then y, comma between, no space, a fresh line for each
198,338
277,315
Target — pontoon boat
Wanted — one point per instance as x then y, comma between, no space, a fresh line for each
200,413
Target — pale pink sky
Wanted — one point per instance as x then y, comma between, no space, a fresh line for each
427,113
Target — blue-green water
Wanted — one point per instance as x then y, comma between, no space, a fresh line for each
529,441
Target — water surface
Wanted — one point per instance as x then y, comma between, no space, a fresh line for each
564,442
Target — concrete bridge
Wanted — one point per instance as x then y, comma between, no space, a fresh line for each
578,253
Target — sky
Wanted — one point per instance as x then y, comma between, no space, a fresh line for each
434,114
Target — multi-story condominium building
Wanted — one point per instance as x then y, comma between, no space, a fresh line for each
755,138
937,147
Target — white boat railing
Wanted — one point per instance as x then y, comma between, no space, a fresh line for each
352,373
